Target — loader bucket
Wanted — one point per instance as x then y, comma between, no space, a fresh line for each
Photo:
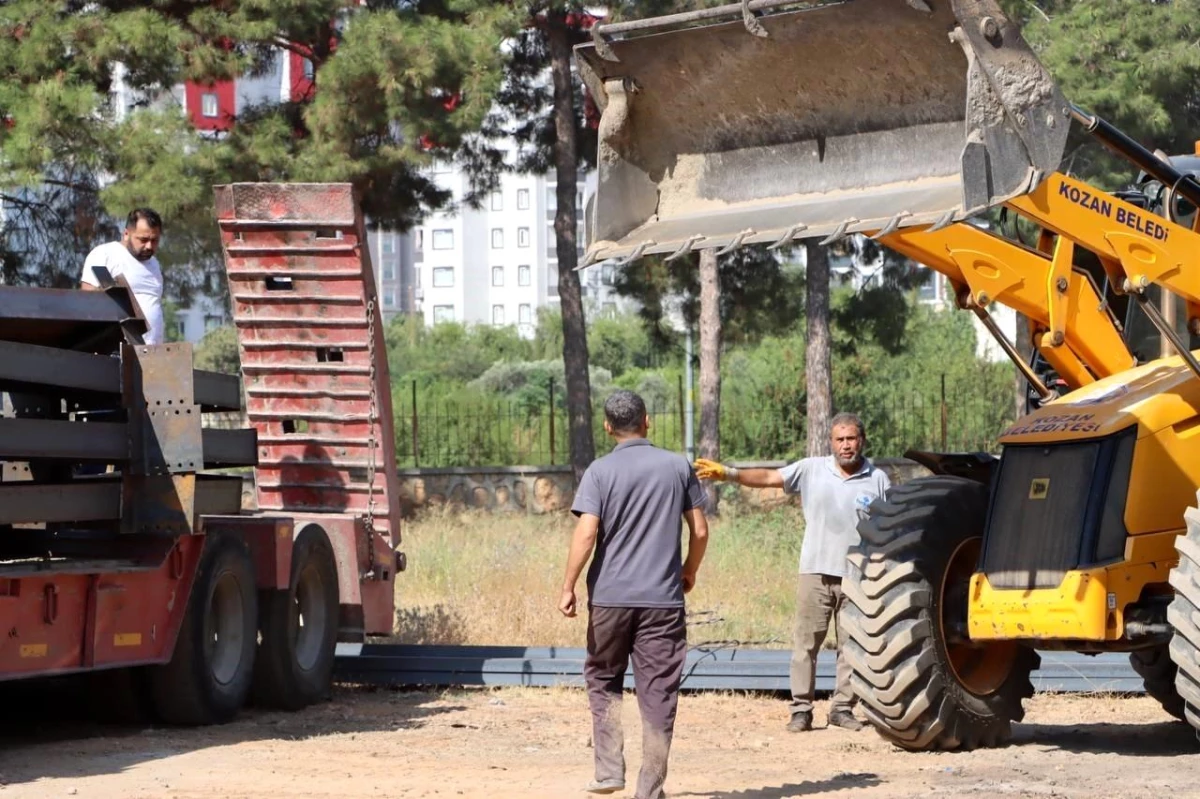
866,115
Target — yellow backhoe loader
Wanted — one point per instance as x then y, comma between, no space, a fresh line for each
770,121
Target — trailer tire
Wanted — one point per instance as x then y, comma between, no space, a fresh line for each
209,675
1158,673
299,628
905,587
1184,616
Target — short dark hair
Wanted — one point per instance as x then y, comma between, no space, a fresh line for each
845,418
147,215
625,411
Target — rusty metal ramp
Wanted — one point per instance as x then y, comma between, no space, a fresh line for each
771,120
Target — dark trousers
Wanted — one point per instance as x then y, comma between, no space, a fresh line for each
656,640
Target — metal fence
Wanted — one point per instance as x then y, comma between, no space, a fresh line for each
443,432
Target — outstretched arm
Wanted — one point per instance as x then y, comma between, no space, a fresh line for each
753,478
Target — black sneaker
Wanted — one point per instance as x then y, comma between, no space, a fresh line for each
801,722
845,719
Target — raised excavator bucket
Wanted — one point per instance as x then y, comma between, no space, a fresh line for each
765,121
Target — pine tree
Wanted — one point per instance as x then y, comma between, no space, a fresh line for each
398,84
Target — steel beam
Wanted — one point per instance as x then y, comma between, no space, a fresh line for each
238,447
99,499
729,669
30,368
21,439
108,442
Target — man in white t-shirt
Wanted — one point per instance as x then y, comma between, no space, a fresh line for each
833,490
133,258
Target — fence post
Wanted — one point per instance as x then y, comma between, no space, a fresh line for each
550,408
682,419
415,429
944,412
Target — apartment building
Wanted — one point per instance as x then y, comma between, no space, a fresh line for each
498,264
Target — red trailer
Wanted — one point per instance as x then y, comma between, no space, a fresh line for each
123,551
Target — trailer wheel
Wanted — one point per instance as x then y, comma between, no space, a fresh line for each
1158,673
923,684
299,628
208,677
1184,615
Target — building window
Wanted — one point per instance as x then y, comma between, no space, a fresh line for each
443,313
497,314
388,245
389,299
606,274
497,201
417,278
419,244
522,199
309,70
443,239
525,314
208,104
443,277
180,329
523,275
522,237
497,275
389,271
212,322
551,200
552,281
497,238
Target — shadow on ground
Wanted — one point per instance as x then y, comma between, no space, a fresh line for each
1136,740
43,718
839,782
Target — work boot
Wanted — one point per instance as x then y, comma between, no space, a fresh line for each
801,721
605,786
845,719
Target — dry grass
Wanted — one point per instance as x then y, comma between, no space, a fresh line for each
487,579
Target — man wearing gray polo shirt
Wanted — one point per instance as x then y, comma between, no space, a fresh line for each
629,504
832,489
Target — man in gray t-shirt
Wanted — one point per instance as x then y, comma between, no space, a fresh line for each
630,504
832,490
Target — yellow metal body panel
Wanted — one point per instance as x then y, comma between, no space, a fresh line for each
1087,605
1079,337
996,270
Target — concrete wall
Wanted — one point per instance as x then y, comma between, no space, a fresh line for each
547,489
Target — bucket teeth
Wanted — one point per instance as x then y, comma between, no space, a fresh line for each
839,233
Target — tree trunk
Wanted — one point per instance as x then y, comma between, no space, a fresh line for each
709,445
818,366
575,352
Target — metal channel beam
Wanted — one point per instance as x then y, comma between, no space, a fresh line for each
66,317
237,447
727,669
108,442
53,438
99,499
29,367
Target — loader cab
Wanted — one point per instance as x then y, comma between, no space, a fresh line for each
1144,340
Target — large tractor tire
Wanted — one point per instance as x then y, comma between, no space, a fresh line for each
1159,673
922,683
299,628
208,677
1184,615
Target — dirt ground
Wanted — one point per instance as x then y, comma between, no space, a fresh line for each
535,743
